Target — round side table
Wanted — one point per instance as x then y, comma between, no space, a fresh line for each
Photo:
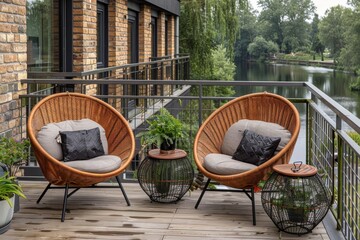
165,176
295,198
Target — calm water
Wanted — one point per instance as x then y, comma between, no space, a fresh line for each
335,84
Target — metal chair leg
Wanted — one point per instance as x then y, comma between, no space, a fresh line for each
253,206
122,190
202,193
64,203
43,193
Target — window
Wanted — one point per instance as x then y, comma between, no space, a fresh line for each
49,35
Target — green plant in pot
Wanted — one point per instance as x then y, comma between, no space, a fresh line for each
8,190
295,201
13,154
164,131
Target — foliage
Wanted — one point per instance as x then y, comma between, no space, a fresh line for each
350,53
354,136
332,28
248,31
13,153
204,25
316,44
286,22
262,49
8,187
163,127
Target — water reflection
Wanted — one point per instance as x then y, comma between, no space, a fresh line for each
335,84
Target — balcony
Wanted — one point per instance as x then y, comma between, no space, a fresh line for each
323,142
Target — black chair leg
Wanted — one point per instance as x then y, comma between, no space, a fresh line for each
253,206
64,203
43,193
202,193
122,190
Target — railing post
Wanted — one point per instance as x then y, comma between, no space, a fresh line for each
340,176
200,103
308,132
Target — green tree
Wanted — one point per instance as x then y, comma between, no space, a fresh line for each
296,27
203,25
285,22
350,53
248,31
316,45
332,29
262,49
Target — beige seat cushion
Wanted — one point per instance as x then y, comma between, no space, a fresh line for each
48,134
101,164
224,164
234,134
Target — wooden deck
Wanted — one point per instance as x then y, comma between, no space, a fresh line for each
103,214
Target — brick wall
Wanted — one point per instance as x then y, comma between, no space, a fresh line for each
118,25
161,34
84,35
12,65
171,35
144,33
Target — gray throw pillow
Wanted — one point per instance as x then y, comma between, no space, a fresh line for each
81,145
48,134
255,148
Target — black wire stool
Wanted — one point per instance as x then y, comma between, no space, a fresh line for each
165,177
295,198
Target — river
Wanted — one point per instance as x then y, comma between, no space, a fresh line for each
335,84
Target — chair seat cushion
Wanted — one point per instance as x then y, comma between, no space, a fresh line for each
101,164
223,164
48,134
234,134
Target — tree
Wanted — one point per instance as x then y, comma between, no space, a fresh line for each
285,22
262,49
272,17
350,53
203,25
332,29
248,31
316,45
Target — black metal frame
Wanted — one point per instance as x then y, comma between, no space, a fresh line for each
67,194
251,196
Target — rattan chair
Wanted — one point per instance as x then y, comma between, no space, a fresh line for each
266,107
74,106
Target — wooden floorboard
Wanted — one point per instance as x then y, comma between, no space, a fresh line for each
103,214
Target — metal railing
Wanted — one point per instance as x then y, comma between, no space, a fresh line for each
326,126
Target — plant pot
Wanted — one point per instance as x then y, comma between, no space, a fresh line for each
298,215
6,215
165,147
162,177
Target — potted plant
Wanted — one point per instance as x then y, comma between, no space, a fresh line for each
296,202
8,190
13,154
164,131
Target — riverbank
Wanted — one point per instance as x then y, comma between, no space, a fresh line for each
325,64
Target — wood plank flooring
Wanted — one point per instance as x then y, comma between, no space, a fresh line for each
103,214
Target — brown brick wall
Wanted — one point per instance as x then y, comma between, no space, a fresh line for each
171,35
12,65
144,33
84,35
118,24
161,34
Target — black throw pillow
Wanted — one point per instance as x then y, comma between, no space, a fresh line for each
81,145
255,148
